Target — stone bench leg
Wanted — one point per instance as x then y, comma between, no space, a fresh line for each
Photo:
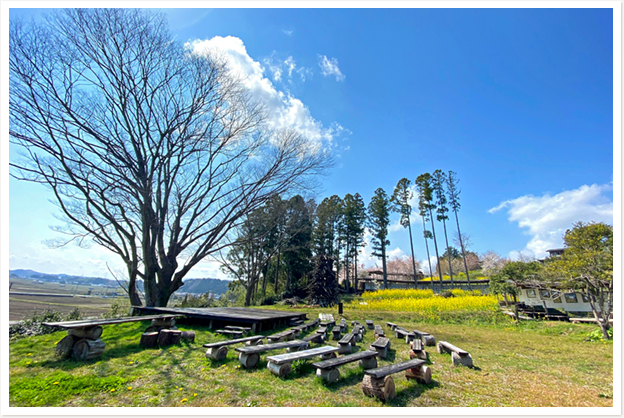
428,340
368,363
329,375
217,353
344,349
421,354
382,389
252,343
421,374
383,352
249,361
280,370
328,356
465,360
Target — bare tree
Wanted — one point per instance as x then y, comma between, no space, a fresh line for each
151,150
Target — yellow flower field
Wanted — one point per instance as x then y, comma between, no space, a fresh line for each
424,301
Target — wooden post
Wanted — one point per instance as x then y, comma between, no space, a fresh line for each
329,375
64,347
149,339
421,374
87,349
217,353
249,360
382,389
188,336
369,363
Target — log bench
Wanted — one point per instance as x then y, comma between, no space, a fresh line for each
316,337
355,323
231,332
459,356
358,332
244,330
249,356
83,337
218,350
369,324
322,330
281,364
418,350
346,344
404,334
336,332
327,324
391,325
287,335
381,345
343,325
327,370
425,337
379,332
378,382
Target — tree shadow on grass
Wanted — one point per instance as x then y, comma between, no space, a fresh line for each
412,392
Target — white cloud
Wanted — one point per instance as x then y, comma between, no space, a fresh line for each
288,32
547,217
329,66
283,109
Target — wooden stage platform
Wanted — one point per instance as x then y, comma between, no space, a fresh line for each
259,320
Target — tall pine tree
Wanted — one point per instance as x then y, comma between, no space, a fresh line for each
378,221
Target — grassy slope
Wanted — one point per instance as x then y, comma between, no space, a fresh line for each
537,364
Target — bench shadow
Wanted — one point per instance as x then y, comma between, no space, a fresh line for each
414,391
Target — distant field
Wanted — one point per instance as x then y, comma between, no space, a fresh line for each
23,306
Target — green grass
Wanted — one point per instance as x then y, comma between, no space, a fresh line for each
534,364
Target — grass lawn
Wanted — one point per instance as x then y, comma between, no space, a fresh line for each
535,364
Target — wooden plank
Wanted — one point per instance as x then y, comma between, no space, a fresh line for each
381,372
299,355
316,338
94,322
381,342
230,342
268,347
417,345
369,322
339,361
347,339
229,332
237,328
453,348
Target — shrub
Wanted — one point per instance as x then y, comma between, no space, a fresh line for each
33,325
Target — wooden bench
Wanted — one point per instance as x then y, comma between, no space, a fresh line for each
404,334
245,330
378,382
322,330
417,350
379,332
391,325
346,344
328,371
369,324
314,338
343,325
381,345
83,342
336,332
287,335
218,350
281,364
425,337
232,332
459,356
355,323
249,356
358,332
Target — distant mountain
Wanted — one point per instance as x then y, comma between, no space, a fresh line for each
215,286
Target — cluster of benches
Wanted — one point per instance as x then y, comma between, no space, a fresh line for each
83,343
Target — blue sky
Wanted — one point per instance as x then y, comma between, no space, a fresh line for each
518,102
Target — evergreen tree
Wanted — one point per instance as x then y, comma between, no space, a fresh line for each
426,204
378,221
323,288
354,216
438,186
453,192
400,203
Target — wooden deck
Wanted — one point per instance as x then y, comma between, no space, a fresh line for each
257,319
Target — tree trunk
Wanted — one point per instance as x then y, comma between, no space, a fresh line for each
64,347
409,229
92,333
428,256
516,308
382,389
149,339
435,245
461,243
355,277
88,349
383,263
448,252
347,267
279,253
